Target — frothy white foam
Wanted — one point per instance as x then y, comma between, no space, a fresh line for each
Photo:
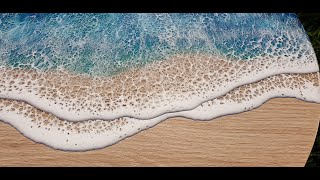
46,128
180,83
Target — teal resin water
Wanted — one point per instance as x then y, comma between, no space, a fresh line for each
106,44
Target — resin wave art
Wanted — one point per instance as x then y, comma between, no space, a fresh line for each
86,81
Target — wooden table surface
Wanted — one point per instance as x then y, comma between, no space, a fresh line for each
279,133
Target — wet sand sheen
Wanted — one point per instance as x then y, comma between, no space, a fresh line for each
279,133
60,134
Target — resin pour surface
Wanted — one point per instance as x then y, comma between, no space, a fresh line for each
86,81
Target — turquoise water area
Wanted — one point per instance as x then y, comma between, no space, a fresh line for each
106,44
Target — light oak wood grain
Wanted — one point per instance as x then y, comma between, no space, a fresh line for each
279,133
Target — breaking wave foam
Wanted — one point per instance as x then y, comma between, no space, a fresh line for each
46,128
